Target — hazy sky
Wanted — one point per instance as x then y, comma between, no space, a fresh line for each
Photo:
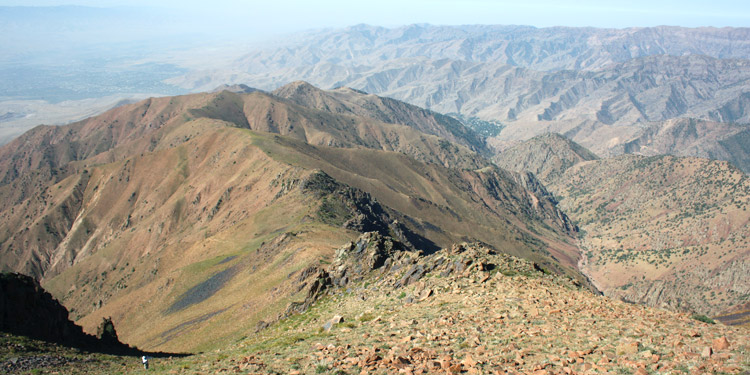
291,15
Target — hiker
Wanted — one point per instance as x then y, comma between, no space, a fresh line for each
144,359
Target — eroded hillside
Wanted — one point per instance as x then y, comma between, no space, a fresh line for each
191,220
662,230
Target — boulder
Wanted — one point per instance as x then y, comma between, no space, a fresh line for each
337,319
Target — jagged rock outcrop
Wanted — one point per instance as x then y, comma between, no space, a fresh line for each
370,252
354,209
26,309
389,263
106,332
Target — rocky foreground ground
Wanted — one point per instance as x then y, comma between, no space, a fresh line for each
470,310
467,310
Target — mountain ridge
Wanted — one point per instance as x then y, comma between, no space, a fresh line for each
599,87
164,223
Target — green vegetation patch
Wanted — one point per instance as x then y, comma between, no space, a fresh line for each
703,318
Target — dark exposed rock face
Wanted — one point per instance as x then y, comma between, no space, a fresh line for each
370,252
382,260
26,309
106,332
357,210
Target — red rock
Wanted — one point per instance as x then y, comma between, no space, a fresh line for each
641,371
707,352
469,361
628,348
720,344
455,369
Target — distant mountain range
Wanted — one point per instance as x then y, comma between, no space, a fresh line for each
600,87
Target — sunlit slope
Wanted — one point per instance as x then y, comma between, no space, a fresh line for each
192,232
662,230
49,155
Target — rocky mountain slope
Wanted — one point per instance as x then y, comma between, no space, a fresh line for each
467,309
662,230
380,308
190,220
595,108
691,137
345,100
547,156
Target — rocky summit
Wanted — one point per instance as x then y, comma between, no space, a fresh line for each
469,309
382,308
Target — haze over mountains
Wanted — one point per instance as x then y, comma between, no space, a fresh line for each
600,87
606,89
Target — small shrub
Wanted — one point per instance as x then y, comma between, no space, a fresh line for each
366,317
703,318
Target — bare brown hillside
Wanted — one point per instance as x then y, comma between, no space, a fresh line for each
661,230
692,137
548,156
191,220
